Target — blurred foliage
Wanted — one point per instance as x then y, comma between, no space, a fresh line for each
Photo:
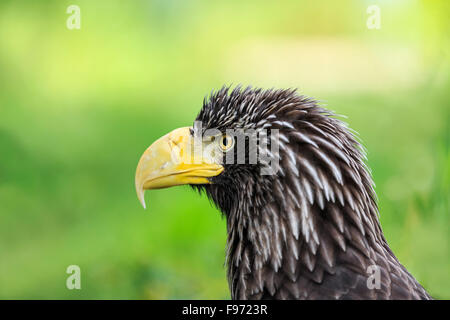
78,107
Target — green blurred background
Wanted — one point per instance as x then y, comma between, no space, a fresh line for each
78,107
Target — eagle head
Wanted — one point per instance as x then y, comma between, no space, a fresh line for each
292,183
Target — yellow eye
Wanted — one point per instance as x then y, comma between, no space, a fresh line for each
226,142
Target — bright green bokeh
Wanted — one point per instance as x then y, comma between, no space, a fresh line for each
78,107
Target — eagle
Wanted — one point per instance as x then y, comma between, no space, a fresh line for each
292,182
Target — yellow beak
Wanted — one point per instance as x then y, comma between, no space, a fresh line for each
173,160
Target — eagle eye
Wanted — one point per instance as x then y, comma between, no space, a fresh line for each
226,142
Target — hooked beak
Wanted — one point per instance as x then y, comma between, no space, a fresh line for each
173,160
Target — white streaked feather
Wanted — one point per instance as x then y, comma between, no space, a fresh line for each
293,221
